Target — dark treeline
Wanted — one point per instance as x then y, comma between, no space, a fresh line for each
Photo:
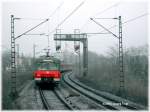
24,65
103,73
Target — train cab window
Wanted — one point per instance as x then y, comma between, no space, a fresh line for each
48,66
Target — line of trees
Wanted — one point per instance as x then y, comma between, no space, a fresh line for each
103,73
24,73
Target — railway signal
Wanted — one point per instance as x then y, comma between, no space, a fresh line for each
83,39
58,43
77,44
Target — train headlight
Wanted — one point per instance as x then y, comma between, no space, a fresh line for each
56,79
37,79
38,75
47,72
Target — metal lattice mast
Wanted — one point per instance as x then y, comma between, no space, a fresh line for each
122,88
17,64
13,92
77,48
121,83
13,63
85,56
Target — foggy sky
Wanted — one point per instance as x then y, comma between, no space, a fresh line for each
135,33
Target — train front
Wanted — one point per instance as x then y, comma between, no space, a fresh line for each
48,72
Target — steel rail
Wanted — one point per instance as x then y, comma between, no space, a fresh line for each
87,95
59,96
45,103
131,107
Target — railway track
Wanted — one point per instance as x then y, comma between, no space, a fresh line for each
126,103
106,100
54,100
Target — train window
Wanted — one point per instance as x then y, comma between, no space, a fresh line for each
48,66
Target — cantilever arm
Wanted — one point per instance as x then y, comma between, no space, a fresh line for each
104,28
32,28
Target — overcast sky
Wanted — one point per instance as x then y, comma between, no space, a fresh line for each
135,33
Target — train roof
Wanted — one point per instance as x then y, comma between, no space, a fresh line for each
49,59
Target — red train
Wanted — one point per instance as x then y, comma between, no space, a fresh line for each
48,71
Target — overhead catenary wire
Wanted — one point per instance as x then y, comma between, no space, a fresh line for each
135,18
47,47
44,20
104,18
104,28
39,19
99,13
68,16
60,5
31,19
127,21
32,28
112,6
42,50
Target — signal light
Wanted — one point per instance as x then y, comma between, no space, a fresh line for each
77,47
58,47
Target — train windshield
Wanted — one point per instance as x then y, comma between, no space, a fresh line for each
49,66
